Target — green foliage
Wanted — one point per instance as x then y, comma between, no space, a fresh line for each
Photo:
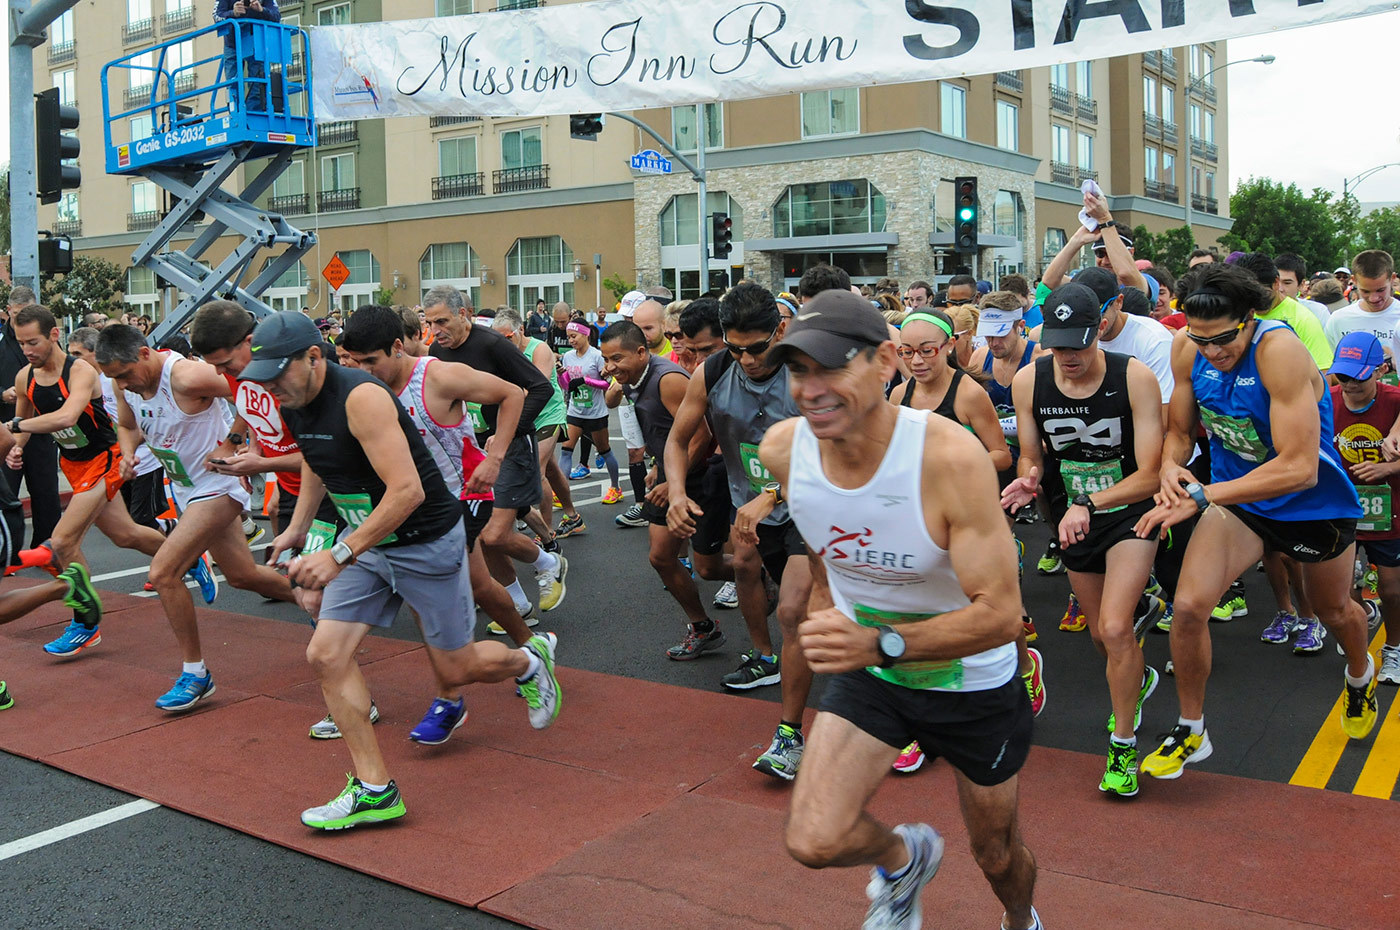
5,210
619,287
1272,218
385,296
1379,229
94,284
1170,249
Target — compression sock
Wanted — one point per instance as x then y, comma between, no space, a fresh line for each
585,446
638,473
566,461
610,460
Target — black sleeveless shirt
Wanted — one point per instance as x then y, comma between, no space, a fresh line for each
945,406
1087,442
91,436
322,431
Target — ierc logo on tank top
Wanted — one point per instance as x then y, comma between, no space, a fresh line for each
861,555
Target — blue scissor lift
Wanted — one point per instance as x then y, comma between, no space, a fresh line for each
197,134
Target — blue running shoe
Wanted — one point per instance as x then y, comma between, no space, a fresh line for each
439,722
580,471
691,568
894,902
189,690
598,462
203,575
74,640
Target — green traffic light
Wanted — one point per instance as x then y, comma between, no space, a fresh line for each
965,214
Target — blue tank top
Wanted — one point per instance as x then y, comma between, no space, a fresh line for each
1235,412
1001,396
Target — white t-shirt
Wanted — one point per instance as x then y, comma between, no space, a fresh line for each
1149,342
145,462
1356,318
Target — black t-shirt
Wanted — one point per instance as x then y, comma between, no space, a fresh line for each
487,350
558,340
322,432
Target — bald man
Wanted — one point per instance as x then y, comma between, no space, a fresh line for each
650,316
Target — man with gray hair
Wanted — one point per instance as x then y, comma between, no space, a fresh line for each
40,470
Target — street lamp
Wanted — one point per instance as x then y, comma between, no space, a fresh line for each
1349,183
1190,173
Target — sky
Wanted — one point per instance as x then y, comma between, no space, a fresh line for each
1323,111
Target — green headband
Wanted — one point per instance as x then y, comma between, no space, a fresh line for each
928,318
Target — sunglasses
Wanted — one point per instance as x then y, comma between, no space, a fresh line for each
1348,379
1220,339
673,336
755,350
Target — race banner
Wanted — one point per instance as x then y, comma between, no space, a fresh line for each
629,54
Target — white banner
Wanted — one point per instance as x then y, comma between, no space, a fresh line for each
629,54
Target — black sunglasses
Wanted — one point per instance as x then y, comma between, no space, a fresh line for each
1348,379
1220,339
756,349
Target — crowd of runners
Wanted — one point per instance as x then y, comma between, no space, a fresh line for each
856,464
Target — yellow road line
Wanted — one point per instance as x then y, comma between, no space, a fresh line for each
1382,767
1321,759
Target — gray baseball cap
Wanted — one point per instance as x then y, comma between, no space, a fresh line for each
276,340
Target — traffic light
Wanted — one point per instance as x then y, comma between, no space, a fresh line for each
586,126
52,146
965,218
55,255
722,234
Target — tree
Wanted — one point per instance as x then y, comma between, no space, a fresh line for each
1379,229
1174,248
1144,243
1271,218
94,284
615,283
5,210
1347,212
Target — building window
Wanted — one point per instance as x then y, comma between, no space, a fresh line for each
680,259
289,190
1084,77
338,172
1210,184
337,15
64,81
1008,215
140,127
1195,180
457,157
1195,121
454,7
141,295
1008,125
1168,168
288,291
143,197
1209,125
61,30
683,127
1086,152
454,263
680,225
539,269
137,11
1207,66
1055,240
830,208
1059,143
360,287
1059,76
1168,105
830,112
953,98
69,219
522,148
1195,61
1150,162
1149,95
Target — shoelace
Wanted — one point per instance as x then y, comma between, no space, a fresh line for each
1358,698
1118,759
1170,741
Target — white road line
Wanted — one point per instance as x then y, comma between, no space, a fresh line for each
107,576
73,828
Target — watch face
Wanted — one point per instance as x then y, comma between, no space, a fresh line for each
892,644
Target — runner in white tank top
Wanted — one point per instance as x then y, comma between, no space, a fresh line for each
450,446
914,613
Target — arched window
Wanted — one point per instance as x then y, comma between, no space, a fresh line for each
541,268
454,263
680,241
829,208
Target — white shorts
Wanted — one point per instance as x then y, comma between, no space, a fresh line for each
208,486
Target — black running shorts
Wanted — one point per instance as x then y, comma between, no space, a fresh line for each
1106,530
475,515
712,527
1303,540
778,542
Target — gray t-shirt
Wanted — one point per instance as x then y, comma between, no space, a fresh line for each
585,400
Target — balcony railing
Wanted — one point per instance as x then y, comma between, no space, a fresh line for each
436,121
1160,190
63,51
1168,64
295,68
1204,204
338,133
1203,149
1011,80
1152,59
288,203
518,5
1201,89
184,81
147,219
68,228
138,30
178,20
528,178
1086,174
138,94
346,199
1061,173
458,185
1059,99
1152,125
1087,108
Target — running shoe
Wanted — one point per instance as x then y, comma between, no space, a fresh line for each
612,496
41,556
910,760
1169,668
1372,610
531,621
1369,579
551,545
1028,625
695,644
580,472
7,700
557,505
1154,588
783,756
1050,563
570,526
326,728
1165,624
148,587
1151,613
541,690
551,584
599,462
1359,713
356,805
894,902
82,597
1280,629
1020,560
727,598
1180,748
1231,606
74,639
438,723
1310,636
203,575
1035,682
1026,516
1120,775
689,566
1149,684
188,691
1074,620
256,536
1390,666
632,516
754,672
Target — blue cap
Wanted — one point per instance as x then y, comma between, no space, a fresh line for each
1358,355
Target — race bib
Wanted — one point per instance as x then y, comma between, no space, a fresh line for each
581,393
1376,513
70,437
173,466
1391,378
1090,478
1237,434
631,427
944,674
753,467
478,421
320,536
355,509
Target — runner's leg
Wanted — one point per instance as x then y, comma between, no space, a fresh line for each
753,595
665,558
229,547
1128,565
792,609
990,814
201,520
331,654
1328,586
117,524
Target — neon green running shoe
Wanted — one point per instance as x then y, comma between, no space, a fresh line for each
1120,775
1050,563
356,805
541,691
7,700
1231,606
1149,684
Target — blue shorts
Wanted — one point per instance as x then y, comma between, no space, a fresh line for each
1385,553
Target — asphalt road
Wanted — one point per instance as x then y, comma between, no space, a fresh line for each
164,869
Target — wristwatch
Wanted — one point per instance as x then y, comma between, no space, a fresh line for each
1083,500
775,489
14,425
1198,494
342,553
890,645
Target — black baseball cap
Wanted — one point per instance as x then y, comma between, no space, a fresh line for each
1101,281
1071,317
276,340
1127,242
832,327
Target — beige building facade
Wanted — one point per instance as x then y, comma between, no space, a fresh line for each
513,210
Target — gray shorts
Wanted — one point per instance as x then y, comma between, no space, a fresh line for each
518,484
433,578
